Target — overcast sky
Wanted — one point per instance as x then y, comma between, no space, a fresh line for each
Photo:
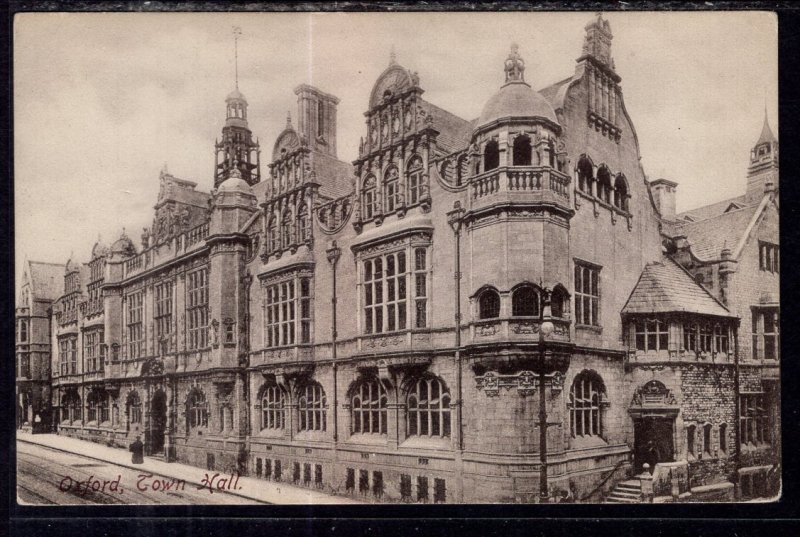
103,101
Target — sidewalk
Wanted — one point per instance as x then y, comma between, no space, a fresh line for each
250,488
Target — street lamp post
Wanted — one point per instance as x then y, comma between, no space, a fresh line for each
545,329
454,218
333,254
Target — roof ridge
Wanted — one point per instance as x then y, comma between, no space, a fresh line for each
689,274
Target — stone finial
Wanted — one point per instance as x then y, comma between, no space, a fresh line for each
515,65
236,173
597,41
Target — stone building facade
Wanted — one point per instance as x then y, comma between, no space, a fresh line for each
403,327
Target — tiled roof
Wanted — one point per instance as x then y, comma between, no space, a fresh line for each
334,176
454,132
665,287
47,280
714,209
551,92
708,237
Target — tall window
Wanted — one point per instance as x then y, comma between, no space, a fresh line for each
92,342
586,397
391,188
415,184
766,333
428,405
197,308
385,293
525,302
272,408
368,407
420,288
754,426
71,407
24,365
621,193
312,408
23,331
651,335
163,315
720,338
303,222
723,438
197,409
585,175
522,150
272,234
558,301
604,184
63,355
587,294
320,119
707,440
369,198
768,257
135,325
134,409
691,433
489,304
97,403
281,304
286,228
73,355
491,156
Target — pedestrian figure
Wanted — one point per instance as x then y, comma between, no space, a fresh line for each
137,448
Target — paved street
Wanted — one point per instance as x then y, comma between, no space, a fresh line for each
47,476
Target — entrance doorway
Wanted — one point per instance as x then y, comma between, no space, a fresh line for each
158,422
653,441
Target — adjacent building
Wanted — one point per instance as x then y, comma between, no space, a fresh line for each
485,310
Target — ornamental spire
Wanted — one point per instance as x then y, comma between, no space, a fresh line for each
515,65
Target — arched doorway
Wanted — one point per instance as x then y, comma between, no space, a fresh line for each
653,410
158,423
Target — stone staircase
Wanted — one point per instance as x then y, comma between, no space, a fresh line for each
629,491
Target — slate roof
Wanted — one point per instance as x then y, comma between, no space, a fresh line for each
714,209
708,237
454,132
551,92
334,176
665,287
47,280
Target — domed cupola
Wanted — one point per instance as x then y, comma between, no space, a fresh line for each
516,100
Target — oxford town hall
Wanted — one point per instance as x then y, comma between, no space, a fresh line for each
497,310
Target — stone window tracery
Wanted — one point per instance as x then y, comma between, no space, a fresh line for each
428,408
368,407
312,407
415,180
368,195
272,408
604,187
197,308
134,404
586,399
391,188
621,193
488,304
525,301
197,409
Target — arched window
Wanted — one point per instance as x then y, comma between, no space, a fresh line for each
272,234
586,398
23,331
491,156
197,409
97,406
391,188
461,170
70,407
312,408
489,304
286,228
621,193
414,175
604,184
303,223
585,174
134,404
368,407
723,438
368,196
558,300
525,302
428,404
522,150
272,408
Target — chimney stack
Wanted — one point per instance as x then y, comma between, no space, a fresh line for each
664,195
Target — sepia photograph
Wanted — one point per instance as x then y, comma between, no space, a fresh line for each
396,258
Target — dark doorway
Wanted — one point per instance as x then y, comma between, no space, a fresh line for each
158,422
653,441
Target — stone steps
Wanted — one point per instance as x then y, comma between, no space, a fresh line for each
629,491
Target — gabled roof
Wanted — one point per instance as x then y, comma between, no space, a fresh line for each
46,280
665,287
708,237
711,210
